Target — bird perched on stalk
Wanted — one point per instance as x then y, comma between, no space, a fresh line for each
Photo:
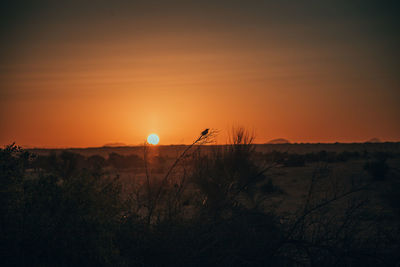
204,132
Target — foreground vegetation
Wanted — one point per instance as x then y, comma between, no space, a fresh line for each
207,207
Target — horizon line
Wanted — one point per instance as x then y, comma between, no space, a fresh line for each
165,145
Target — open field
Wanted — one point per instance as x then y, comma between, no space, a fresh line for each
292,180
173,150
240,204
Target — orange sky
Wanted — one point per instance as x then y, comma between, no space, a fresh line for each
82,75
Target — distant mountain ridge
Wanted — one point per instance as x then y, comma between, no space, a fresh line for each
278,141
114,144
374,140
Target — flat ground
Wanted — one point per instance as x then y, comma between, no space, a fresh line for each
292,181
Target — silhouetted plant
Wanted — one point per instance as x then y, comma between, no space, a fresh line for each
294,160
329,229
229,174
269,188
378,168
121,162
64,217
156,190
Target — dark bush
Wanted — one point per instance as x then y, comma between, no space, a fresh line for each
294,160
96,162
377,168
60,218
124,162
269,187
346,155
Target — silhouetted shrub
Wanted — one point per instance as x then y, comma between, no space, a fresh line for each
393,195
294,160
378,168
96,162
346,155
287,159
229,174
64,164
117,161
269,187
325,156
124,162
64,217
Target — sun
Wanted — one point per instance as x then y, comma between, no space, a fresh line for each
153,139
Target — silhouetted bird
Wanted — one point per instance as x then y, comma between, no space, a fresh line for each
204,132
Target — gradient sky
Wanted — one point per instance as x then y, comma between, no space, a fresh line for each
87,73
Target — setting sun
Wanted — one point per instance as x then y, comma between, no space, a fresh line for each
153,139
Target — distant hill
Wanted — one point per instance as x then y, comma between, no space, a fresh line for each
374,140
279,141
114,145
